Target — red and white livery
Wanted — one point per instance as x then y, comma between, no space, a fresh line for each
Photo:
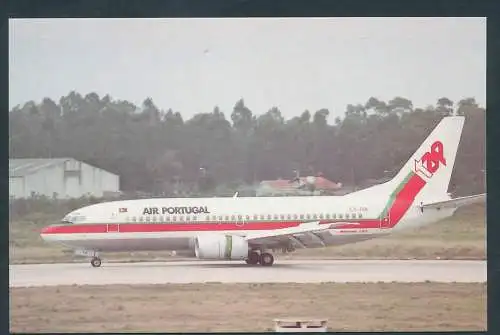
246,228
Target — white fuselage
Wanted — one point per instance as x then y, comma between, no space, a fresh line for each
172,224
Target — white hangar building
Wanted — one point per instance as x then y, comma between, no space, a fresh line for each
59,178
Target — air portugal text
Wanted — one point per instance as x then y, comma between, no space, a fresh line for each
175,210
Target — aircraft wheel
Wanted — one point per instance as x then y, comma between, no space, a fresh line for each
96,262
253,258
266,259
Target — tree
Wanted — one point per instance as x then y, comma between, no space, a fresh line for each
376,105
242,117
320,117
444,106
400,105
159,152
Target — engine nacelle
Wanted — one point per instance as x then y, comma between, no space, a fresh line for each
221,247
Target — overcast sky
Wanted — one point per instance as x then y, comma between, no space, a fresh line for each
191,65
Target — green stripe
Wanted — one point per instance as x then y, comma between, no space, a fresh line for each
229,247
393,195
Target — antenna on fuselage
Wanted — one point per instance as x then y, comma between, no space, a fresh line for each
235,195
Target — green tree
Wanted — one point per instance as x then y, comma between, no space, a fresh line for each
159,152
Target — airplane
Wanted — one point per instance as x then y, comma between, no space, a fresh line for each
250,228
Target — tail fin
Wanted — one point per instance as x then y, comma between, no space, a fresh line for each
434,160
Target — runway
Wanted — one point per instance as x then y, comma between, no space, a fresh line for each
283,271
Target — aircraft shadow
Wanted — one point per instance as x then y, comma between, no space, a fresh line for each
209,266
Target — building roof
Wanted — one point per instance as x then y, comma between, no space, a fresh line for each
26,166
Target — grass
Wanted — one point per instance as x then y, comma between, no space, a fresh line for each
248,307
463,236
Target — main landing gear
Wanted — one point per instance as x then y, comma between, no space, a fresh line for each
262,258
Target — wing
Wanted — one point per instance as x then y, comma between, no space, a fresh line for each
287,235
457,202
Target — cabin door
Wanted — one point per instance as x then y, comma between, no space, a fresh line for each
113,227
385,221
240,221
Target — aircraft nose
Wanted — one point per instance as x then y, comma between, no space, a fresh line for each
46,231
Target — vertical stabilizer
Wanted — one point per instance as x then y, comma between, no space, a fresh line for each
434,160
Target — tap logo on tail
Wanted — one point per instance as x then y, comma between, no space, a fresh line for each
431,161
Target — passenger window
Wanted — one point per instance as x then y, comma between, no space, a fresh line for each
262,217
214,218
282,217
239,217
247,217
334,216
327,216
295,216
255,217
302,216
167,218
288,217
134,219
360,215
275,216
233,217
347,216
154,219
227,217
174,218
148,218
308,216
315,216
207,218
181,218
220,217
269,217
340,216
188,218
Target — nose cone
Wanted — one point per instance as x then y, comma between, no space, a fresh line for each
47,232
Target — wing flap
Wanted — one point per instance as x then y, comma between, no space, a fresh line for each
457,202
291,233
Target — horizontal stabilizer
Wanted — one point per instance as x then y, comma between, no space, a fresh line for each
457,202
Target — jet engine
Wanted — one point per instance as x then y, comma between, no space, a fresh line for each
221,247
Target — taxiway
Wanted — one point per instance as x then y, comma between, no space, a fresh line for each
283,271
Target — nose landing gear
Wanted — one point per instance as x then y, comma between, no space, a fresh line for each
95,262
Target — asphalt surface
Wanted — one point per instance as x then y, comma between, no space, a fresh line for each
283,271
